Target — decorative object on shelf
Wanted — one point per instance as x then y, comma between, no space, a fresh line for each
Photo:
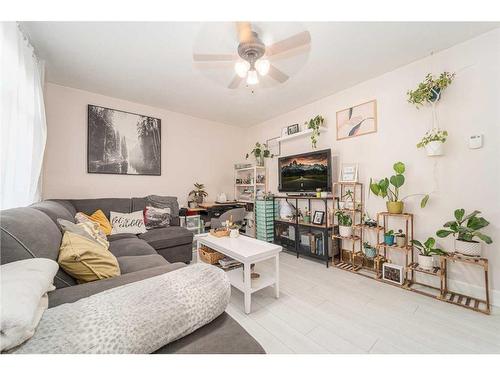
429,91
368,221
393,273
261,152
389,238
348,199
369,250
286,210
307,216
318,193
198,193
234,231
345,224
274,146
383,189
400,238
357,120
425,252
292,129
319,217
433,142
315,124
121,142
349,172
465,234
220,232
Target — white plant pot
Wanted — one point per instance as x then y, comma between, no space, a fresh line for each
345,231
341,205
425,262
434,148
472,249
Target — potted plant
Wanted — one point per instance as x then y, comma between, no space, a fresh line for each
389,188
430,89
315,124
433,142
348,199
425,252
345,224
465,228
261,152
389,238
400,238
368,221
198,193
307,216
370,251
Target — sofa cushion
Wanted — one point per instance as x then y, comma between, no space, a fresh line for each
129,247
140,262
98,217
127,222
54,210
88,206
68,295
161,238
29,233
120,236
66,204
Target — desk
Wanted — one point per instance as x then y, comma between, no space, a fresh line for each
212,210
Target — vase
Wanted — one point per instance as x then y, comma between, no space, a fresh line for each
434,148
395,207
260,161
472,249
425,262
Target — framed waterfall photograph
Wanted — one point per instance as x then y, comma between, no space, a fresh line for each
358,120
120,142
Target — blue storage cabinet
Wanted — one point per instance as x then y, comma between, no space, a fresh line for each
264,220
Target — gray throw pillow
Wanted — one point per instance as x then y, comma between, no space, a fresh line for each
159,201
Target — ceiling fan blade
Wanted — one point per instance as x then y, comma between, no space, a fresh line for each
277,74
295,41
235,82
214,57
244,30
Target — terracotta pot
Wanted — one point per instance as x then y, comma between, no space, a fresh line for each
472,249
395,207
425,262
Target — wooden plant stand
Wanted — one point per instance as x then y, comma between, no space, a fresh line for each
468,302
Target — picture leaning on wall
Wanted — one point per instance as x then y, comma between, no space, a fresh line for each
357,120
120,142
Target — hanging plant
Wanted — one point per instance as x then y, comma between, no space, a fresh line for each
430,89
314,124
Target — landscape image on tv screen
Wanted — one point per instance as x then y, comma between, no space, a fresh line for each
306,172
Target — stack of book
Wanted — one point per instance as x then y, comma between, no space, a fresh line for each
228,263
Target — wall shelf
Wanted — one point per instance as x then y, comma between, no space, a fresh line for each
302,133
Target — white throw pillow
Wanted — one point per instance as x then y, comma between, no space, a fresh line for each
127,223
24,286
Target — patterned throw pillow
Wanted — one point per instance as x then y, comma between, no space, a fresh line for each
98,217
156,217
88,229
127,223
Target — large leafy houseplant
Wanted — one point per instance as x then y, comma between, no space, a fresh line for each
198,192
315,124
260,151
388,188
465,229
425,252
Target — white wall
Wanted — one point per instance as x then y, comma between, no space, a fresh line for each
192,150
462,178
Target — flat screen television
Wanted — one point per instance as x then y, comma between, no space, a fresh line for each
305,172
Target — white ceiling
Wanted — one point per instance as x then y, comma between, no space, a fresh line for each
151,63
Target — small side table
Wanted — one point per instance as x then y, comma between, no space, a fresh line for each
468,302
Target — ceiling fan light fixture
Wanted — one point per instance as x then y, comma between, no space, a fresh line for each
241,68
252,78
262,66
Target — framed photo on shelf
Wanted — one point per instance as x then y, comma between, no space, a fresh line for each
393,273
292,129
349,172
319,217
274,146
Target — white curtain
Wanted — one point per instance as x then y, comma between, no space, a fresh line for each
22,114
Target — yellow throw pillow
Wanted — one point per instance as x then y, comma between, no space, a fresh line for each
85,259
101,219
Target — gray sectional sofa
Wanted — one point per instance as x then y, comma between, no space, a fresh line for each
33,232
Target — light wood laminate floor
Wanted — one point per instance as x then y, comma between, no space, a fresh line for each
324,310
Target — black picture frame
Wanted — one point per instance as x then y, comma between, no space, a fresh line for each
93,168
292,129
318,217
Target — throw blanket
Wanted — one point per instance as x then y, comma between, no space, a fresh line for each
136,318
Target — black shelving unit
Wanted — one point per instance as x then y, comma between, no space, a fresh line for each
325,230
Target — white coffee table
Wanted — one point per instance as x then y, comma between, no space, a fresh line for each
246,250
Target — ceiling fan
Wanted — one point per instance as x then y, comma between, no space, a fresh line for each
253,58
